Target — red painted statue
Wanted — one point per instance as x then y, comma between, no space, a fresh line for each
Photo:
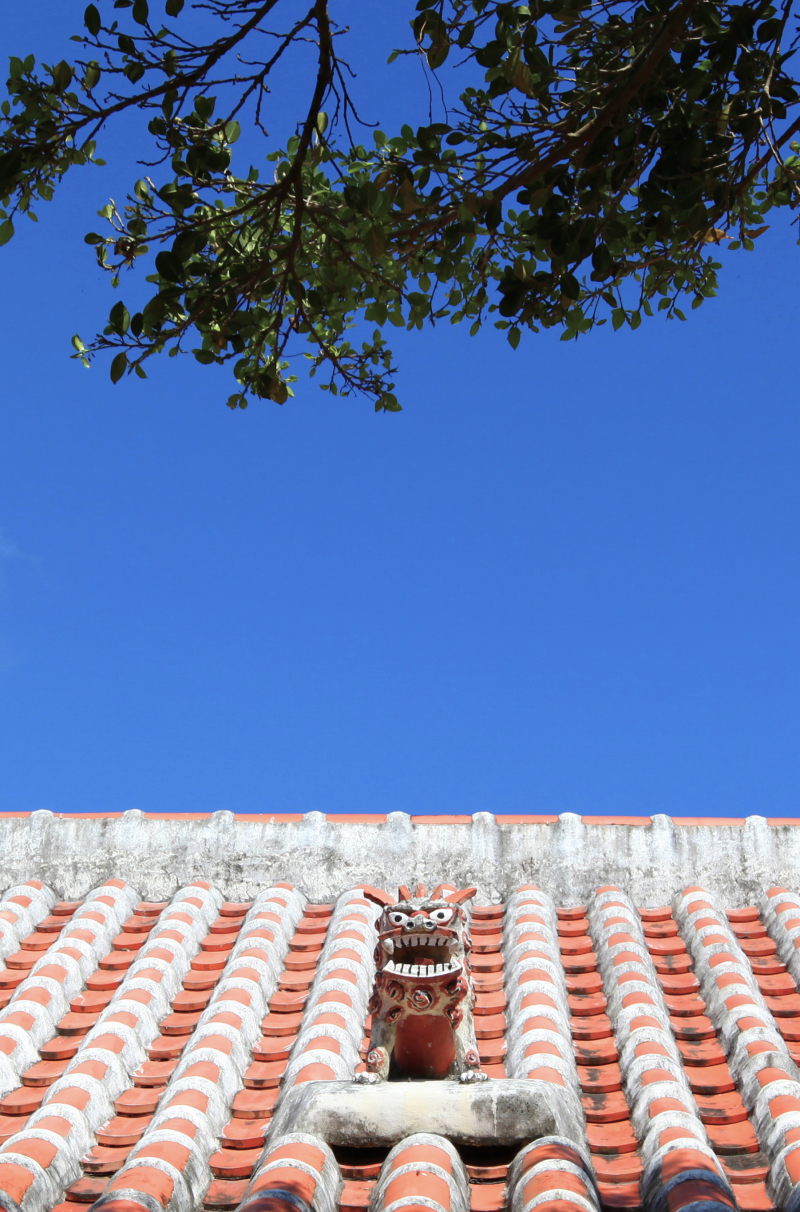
422,1003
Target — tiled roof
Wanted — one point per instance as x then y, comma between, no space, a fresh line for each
145,1048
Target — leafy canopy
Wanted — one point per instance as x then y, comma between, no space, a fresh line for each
584,162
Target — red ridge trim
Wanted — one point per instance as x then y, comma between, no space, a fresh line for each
526,819
273,818
360,818
441,820
616,820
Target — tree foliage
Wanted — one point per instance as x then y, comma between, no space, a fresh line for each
584,162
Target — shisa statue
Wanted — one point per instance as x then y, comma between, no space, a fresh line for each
422,1025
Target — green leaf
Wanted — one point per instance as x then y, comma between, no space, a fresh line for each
91,75
601,260
173,7
6,231
204,107
141,12
10,168
769,30
636,319
62,76
169,266
438,54
232,131
279,391
119,366
78,344
618,317
119,319
375,242
513,337
91,19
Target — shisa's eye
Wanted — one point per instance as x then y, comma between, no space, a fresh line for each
441,916
398,919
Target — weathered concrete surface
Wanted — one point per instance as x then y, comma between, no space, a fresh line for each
491,1113
569,859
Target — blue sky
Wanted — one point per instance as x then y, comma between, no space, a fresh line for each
562,579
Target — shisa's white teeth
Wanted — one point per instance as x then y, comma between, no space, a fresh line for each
422,969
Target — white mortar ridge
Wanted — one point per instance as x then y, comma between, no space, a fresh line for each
736,862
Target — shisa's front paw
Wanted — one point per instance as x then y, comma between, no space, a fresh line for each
472,1076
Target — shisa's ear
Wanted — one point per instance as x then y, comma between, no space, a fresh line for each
441,890
422,891
458,898
404,893
376,895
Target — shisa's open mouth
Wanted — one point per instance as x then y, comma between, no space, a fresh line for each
420,955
